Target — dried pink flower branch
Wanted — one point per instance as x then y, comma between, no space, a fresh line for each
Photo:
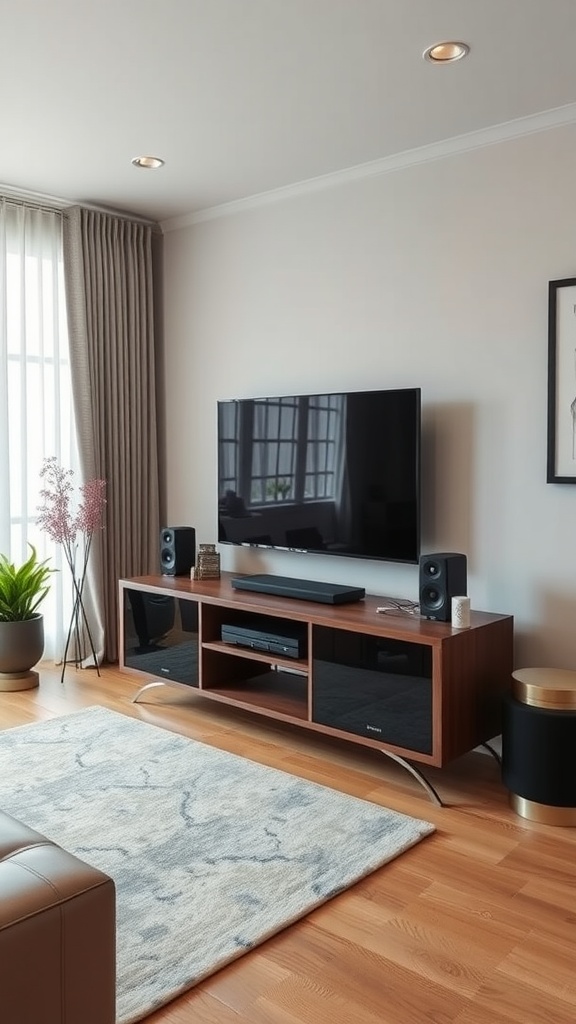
72,529
55,514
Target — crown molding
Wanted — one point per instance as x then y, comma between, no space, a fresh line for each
533,123
44,201
40,199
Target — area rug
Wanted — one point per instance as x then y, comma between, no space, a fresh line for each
211,853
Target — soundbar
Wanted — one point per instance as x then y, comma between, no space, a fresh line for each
304,590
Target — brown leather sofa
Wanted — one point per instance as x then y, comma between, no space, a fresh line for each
57,933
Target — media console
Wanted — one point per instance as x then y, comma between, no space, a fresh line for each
417,690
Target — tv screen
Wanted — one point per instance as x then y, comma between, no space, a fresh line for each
336,473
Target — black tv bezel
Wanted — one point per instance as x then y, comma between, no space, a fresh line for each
417,391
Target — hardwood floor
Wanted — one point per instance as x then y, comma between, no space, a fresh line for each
475,925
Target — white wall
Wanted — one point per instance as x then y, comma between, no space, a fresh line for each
433,276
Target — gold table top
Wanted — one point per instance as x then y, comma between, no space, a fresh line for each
545,687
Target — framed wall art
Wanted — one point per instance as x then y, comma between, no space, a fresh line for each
561,468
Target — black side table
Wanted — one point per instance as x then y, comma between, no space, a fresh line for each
539,745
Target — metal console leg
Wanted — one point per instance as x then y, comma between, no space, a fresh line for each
494,753
417,775
148,686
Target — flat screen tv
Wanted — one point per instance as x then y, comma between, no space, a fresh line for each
335,473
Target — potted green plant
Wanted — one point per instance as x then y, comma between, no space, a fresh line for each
22,589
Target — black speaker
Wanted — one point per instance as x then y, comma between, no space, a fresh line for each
442,577
177,550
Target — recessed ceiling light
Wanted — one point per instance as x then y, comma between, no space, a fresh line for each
149,162
446,53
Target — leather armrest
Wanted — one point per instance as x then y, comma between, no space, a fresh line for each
57,933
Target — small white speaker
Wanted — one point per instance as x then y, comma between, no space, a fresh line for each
460,612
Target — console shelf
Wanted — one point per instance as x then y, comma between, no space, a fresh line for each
276,694
417,690
239,652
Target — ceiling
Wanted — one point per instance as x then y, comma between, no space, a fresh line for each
241,97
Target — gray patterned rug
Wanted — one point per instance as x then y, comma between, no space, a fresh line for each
211,853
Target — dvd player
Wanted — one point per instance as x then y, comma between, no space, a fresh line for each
287,640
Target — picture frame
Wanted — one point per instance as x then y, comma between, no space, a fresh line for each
561,462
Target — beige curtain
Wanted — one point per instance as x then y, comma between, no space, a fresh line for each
109,295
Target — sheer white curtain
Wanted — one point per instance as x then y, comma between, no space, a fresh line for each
36,414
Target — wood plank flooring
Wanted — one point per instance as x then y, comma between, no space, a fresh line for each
475,925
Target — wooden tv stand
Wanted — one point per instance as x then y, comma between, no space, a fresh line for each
419,691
